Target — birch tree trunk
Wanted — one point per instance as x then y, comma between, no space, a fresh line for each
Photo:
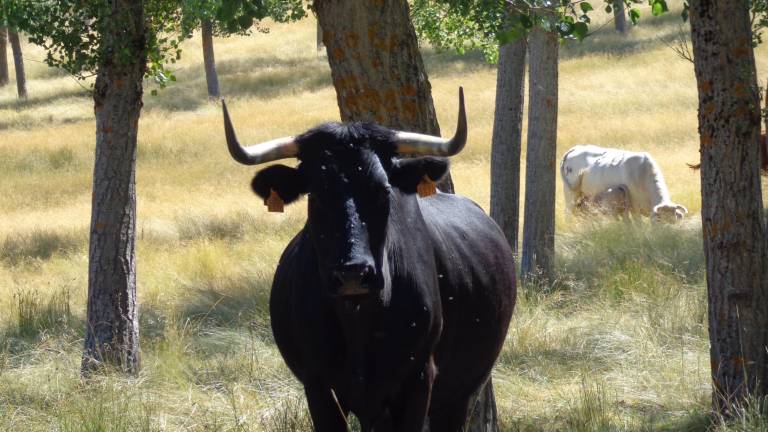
539,224
4,77
507,137
376,66
112,331
18,64
731,214
211,77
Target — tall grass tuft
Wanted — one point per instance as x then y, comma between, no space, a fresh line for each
39,244
591,412
753,418
288,415
107,411
35,314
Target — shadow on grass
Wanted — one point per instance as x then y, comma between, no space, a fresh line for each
671,250
263,77
241,301
448,63
609,43
41,101
693,421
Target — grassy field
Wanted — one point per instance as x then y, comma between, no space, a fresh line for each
618,343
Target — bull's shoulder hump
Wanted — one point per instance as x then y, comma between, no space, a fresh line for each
447,206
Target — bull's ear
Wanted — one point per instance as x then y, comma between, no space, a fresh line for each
289,183
406,174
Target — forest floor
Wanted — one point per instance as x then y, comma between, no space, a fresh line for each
617,343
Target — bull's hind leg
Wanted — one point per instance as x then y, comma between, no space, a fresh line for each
327,414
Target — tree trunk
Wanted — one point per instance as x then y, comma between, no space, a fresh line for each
4,79
507,135
619,16
112,331
539,224
211,77
376,65
731,200
319,37
18,63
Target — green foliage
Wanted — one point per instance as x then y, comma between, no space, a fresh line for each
466,26
238,16
76,33
484,24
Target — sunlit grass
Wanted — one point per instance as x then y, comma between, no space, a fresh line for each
617,343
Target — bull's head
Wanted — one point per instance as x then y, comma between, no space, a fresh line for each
354,177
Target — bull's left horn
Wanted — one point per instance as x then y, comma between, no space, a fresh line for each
420,144
281,148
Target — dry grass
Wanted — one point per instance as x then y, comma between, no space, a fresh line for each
617,344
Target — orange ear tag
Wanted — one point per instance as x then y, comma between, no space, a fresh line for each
426,187
274,203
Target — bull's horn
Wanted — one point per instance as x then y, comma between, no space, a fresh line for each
414,143
268,151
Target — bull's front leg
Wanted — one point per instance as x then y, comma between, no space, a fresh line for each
327,414
410,412
571,197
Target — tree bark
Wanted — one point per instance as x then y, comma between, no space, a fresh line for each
112,331
211,77
619,17
539,224
18,64
376,66
731,200
319,37
4,77
507,136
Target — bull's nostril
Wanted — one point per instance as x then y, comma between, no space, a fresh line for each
353,273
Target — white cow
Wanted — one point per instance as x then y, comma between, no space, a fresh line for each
589,170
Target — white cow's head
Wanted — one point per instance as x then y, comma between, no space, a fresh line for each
668,213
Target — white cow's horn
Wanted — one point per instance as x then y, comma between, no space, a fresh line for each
281,148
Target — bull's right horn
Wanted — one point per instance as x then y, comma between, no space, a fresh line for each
281,148
421,144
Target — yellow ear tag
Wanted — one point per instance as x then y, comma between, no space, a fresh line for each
274,203
426,187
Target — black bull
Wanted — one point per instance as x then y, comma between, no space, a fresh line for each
386,305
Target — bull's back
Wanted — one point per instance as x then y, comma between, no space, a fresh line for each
477,288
